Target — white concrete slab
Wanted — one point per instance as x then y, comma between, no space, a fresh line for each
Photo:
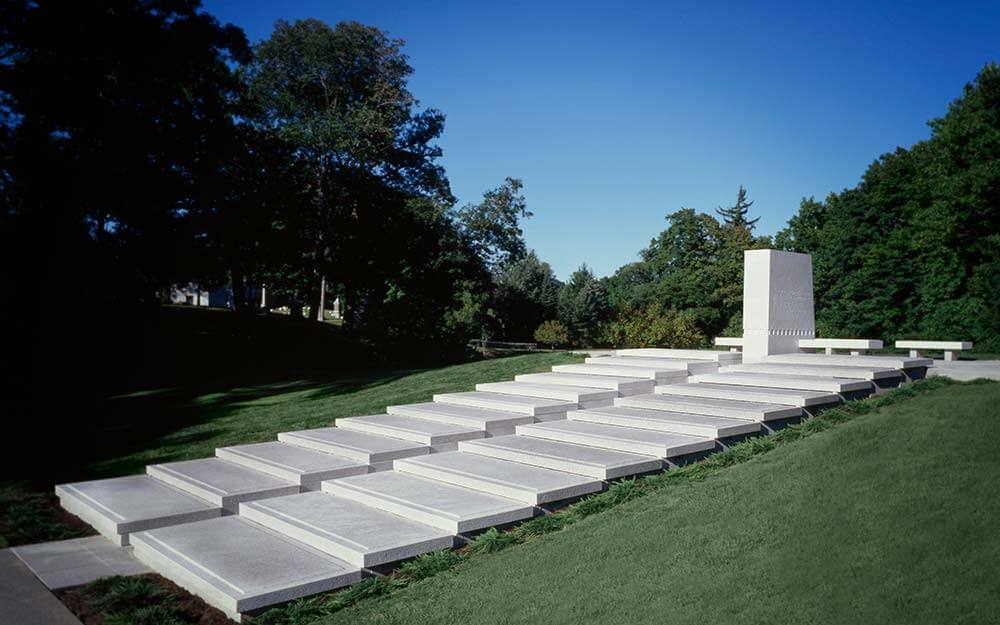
833,371
513,480
664,421
238,566
729,408
935,345
840,344
777,302
623,385
690,365
660,376
575,394
783,380
357,446
77,561
305,467
603,464
788,397
494,422
690,354
219,482
894,362
355,533
451,508
534,406
422,431
630,440
118,506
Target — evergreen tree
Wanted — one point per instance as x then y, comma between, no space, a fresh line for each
736,215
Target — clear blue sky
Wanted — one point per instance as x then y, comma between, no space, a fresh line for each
615,114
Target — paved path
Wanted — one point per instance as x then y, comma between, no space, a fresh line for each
66,563
25,600
967,369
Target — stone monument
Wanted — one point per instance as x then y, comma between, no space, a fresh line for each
777,302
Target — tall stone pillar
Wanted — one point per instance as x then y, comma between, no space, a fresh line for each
777,302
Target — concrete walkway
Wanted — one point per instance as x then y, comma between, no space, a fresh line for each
966,369
25,600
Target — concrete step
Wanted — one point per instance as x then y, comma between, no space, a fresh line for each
305,467
729,408
221,483
663,421
513,480
659,376
377,451
784,396
783,380
692,354
238,566
451,508
629,440
578,395
439,436
892,362
603,464
833,371
355,533
691,366
494,422
623,385
118,506
535,406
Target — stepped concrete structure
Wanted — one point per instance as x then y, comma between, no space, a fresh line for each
318,509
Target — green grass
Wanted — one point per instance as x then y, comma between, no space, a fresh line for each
882,512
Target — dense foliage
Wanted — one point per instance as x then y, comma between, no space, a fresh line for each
914,249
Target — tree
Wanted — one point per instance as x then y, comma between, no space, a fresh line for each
494,225
338,98
552,333
526,294
736,215
583,306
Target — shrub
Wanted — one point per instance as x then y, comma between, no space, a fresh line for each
552,333
651,327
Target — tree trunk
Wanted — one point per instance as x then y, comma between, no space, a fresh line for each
239,289
314,298
322,299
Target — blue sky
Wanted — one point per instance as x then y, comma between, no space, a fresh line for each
615,114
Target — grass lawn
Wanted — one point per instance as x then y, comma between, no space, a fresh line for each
887,518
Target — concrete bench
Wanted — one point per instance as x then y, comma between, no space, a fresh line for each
856,346
734,343
948,347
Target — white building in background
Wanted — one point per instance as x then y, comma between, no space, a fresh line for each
190,294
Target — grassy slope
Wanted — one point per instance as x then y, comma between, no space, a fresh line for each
889,518
258,413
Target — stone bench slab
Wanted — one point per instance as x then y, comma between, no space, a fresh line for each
894,362
833,371
692,354
451,508
840,343
785,380
412,429
357,446
691,366
622,385
494,422
784,396
728,408
219,482
358,534
659,376
602,464
504,478
301,465
630,440
575,394
238,566
118,506
664,421
534,406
